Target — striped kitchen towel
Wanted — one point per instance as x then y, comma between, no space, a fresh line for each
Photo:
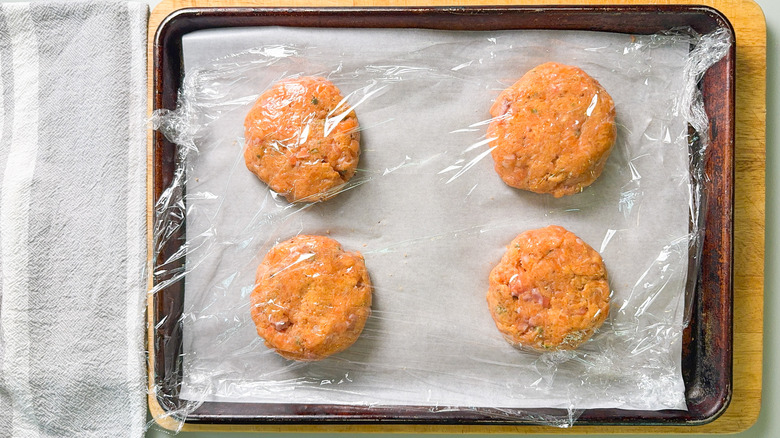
72,218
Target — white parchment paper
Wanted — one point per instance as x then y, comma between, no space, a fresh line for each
432,218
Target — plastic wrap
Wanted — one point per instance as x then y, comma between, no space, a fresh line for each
432,218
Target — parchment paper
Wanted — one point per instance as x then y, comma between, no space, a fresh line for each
432,218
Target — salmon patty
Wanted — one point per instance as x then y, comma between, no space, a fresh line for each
552,131
311,298
302,139
550,290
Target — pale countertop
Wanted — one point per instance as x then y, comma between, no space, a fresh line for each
768,424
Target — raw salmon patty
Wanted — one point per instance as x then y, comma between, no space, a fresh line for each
550,290
552,131
302,139
311,298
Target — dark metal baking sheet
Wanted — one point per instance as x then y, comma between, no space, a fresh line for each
707,351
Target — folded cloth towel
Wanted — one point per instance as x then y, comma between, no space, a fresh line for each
72,218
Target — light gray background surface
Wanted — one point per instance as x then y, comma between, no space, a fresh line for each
768,424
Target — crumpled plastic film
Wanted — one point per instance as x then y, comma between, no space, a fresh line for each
431,218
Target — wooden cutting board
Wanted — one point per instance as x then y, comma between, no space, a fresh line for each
749,219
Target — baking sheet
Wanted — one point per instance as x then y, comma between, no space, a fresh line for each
432,218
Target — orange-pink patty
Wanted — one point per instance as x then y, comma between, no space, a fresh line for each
311,298
552,130
302,139
550,290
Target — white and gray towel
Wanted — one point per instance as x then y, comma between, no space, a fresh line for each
72,218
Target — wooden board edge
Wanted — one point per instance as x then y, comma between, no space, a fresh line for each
744,409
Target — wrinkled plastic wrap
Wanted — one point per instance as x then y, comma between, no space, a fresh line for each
432,218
